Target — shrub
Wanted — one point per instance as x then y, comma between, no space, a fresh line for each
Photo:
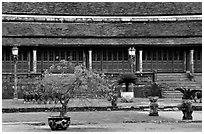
126,79
153,90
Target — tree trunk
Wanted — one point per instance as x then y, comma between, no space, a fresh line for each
126,86
63,110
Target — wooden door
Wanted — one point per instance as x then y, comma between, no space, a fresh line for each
198,60
7,61
96,60
126,62
23,59
178,65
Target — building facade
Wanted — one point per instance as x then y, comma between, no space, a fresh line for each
167,37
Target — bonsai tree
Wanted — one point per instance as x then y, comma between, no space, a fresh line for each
58,83
70,82
186,106
127,79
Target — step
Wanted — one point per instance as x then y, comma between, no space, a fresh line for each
172,94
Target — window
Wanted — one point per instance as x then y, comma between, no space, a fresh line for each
165,55
109,56
170,55
98,56
104,56
63,55
25,55
94,56
57,55
45,56
3,53
199,55
115,55
125,55
51,56
39,55
148,55
74,58
143,55
80,56
120,55
159,55
154,55
175,55
8,55
69,55
180,55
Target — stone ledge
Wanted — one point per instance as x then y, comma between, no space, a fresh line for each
65,19
26,123
109,108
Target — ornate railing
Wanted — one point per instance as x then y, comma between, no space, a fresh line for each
27,81
142,77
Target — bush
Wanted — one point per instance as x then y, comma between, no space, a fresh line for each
153,90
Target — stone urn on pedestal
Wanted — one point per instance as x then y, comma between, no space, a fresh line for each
153,106
153,92
186,105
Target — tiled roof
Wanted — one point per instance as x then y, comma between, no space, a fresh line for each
103,8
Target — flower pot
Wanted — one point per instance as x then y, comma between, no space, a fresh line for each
187,109
58,122
128,96
153,106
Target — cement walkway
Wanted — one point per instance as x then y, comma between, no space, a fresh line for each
105,121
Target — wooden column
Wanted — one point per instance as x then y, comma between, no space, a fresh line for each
29,60
90,60
184,61
191,61
34,61
84,58
140,60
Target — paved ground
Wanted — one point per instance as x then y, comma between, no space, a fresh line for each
105,121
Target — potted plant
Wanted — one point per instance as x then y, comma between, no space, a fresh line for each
69,82
127,79
186,106
59,82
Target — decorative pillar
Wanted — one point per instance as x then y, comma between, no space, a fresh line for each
191,61
34,61
140,60
90,60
